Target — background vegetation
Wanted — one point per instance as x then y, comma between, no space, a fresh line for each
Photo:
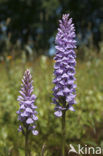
27,32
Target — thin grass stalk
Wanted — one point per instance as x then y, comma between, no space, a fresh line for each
63,133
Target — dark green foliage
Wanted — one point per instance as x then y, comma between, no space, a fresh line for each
39,18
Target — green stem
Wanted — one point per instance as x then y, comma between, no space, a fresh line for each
26,143
63,133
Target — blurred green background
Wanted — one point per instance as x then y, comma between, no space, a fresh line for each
27,35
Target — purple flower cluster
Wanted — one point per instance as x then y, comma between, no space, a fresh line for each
27,113
64,68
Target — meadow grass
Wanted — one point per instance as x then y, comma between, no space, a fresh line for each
84,126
